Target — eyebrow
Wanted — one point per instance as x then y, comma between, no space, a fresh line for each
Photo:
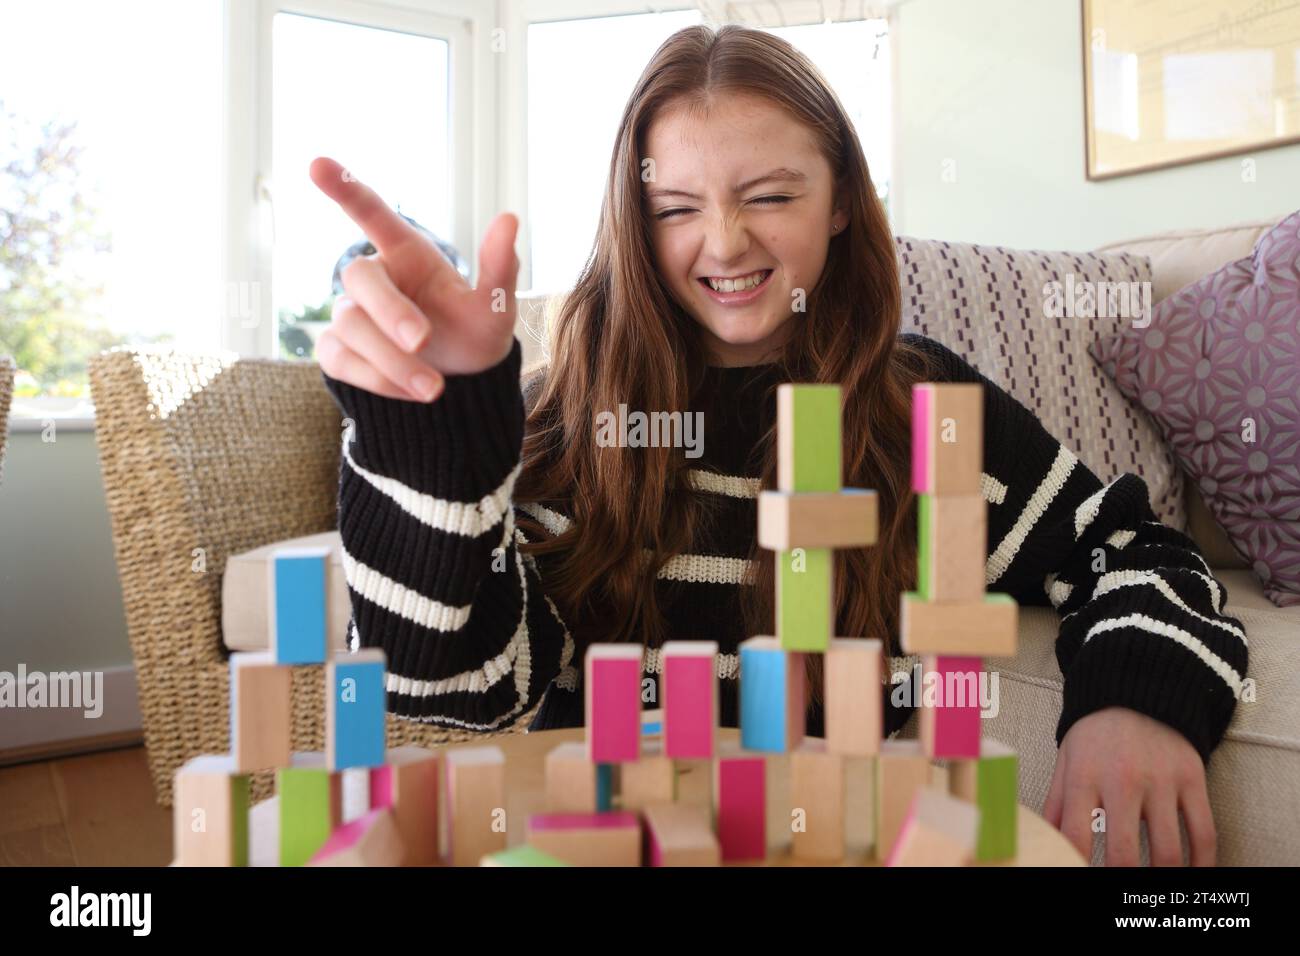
781,175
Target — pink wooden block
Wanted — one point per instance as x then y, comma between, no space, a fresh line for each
921,395
613,701
690,698
381,787
954,727
347,835
741,793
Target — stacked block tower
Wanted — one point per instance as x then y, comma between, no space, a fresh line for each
612,799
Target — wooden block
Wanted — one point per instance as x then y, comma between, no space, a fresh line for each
817,519
740,804
311,803
901,770
805,605
817,802
690,698
772,694
407,784
986,628
950,711
990,782
650,779
210,813
261,698
947,438
522,855
588,839
854,696
476,800
605,786
939,831
571,779
952,547
680,834
370,840
652,723
297,615
808,437
612,690
354,709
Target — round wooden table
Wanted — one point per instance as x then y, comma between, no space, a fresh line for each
1040,844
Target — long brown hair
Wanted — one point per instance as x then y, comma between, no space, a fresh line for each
619,336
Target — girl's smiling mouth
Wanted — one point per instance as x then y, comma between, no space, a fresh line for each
736,290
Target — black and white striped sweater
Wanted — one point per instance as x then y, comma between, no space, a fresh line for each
427,521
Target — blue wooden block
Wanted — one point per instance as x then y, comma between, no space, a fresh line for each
297,614
354,710
604,787
772,684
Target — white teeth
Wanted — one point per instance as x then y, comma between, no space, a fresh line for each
737,285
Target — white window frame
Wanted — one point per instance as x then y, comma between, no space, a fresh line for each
247,265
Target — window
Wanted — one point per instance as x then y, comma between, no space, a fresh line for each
568,161
329,80
110,216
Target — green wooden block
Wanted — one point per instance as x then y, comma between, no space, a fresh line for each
808,438
923,556
804,605
310,807
522,856
997,800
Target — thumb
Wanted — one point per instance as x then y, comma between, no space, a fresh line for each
498,265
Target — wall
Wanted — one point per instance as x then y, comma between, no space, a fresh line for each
996,87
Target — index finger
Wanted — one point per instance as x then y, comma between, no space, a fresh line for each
385,228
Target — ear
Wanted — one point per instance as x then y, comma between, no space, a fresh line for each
839,211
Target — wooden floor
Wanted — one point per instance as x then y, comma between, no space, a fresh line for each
92,810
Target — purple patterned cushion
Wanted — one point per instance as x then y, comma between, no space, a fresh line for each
1219,370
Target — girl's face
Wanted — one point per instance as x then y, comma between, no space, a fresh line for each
742,211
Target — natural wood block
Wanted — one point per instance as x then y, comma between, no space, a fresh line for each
740,804
805,604
817,802
814,519
680,834
772,694
261,698
354,709
986,628
854,696
476,800
298,610
571,785
407,784
612,689
311,806
939,830
690,698
901,770
990,781
950,711
952,547
588,839
370,840
947,438
210,813
522,855
650,779
808,437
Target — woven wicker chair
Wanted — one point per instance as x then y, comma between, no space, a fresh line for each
6,395
204,457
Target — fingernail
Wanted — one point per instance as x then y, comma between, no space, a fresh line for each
424,386
411,333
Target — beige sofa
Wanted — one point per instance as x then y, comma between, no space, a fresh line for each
188,474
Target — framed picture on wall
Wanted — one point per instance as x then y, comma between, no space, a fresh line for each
1168,82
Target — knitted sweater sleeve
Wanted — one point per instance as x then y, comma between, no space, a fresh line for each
430,551
1142,622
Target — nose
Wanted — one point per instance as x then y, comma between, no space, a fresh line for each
726,239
